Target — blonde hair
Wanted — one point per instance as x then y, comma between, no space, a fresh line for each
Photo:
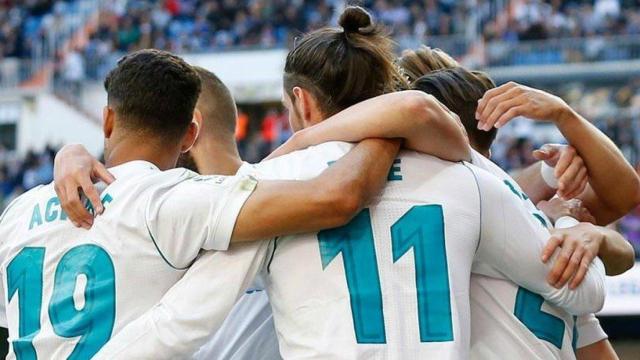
419,62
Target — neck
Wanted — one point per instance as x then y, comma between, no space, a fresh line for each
216,157
130,149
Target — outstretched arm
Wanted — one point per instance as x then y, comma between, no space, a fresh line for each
614,185
326,201
424,123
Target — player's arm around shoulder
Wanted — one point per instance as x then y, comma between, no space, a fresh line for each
512,241
329,200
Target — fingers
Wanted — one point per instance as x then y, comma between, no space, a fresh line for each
89,190
580,184
566,158
582,271
561,263
100,172
510,114
497,106
553,243
490,94
572,266
541,154
572,178
74,208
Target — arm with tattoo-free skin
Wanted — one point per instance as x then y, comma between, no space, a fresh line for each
571,175
422,121
602,350
614,186
329,200
581,243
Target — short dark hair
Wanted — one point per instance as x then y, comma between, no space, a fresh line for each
154,92
460,89
216,104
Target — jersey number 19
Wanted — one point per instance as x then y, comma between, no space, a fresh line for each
93,323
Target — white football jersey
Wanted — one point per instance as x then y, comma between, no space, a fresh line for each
508,321
391,284
394,283
248,331
66,290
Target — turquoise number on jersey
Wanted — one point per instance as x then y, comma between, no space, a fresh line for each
24,275
94,323
421,228
543,325
355,242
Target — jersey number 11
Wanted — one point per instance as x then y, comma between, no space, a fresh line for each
420,228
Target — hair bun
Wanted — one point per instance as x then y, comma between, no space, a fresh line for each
355,19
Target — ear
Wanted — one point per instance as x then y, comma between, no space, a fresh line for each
298,101
307,106
108,121
197,119
190,137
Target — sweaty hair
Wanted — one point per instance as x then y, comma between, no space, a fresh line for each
216,105
460,89
344,66
153,92
419,62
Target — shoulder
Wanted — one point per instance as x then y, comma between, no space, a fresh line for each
486,164
20,212
303,164
327,150
30,197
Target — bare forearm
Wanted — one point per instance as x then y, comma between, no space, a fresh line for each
616,252
602,350
279,208
613,180
410,115
366,173
533,185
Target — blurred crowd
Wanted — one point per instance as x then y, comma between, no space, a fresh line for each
21,22
206,25
194,26
575,31
19,174
539,20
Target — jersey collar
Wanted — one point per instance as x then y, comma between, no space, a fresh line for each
131,168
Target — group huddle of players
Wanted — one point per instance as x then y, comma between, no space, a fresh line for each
380,230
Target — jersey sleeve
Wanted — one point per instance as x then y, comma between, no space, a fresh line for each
193,309
298,165
511,242
588,331
198,213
